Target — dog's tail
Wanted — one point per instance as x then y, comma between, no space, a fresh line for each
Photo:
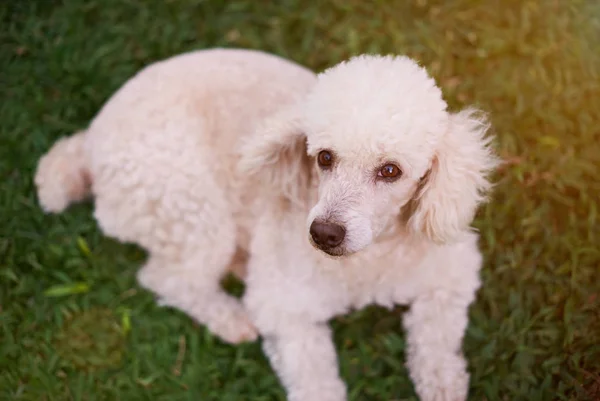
62,175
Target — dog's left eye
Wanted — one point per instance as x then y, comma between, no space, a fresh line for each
325,159
389,171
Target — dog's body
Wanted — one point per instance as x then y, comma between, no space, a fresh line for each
161,160
209,157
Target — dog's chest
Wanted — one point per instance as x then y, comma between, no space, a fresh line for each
385,276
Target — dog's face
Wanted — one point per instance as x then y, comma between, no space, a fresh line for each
379,136
372,140
360,195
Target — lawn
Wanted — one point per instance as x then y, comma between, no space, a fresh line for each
74,325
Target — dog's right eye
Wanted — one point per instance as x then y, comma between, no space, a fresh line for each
325,159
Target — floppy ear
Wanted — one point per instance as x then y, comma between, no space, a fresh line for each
447,199
276,155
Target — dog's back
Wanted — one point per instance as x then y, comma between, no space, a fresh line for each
184,116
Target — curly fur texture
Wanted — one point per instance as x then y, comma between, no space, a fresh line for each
207,160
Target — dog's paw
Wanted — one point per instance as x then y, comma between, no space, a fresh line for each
225,317
233,325
445,380
330,391
444,394
236,331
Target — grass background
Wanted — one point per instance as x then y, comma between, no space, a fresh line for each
534,65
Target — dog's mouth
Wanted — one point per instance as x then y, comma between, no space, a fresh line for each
335,252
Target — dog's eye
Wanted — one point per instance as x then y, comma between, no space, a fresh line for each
390,171
325,158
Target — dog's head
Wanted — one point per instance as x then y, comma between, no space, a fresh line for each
375,134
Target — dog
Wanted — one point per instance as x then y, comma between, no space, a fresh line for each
334,191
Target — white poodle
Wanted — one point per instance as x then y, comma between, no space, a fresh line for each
355,187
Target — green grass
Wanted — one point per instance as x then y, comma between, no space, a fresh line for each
533,65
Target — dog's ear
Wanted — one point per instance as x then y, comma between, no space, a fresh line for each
449,194
276,155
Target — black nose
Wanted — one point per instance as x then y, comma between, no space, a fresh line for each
327,235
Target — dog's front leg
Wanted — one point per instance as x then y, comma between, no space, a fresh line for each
304,357
435,327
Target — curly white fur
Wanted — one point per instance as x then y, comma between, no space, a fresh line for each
207,161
